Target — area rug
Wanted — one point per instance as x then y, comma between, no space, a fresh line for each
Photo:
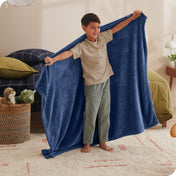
151,153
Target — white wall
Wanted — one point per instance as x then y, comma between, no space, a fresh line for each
61,22
20,28
169,30
52,24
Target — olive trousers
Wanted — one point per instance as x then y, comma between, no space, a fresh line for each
97,107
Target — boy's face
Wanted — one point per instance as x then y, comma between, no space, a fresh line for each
92,30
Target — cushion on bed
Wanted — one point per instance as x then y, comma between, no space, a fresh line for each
11,68
31,56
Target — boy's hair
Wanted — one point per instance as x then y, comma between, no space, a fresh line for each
89,17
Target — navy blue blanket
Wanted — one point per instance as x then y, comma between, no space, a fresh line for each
62,88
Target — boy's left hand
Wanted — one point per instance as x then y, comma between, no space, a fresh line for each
136,14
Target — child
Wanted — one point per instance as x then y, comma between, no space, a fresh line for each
96,73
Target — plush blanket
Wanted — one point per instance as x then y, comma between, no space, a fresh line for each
62,88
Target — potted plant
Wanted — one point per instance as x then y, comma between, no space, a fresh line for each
172,58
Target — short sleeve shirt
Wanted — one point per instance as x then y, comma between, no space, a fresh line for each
94,58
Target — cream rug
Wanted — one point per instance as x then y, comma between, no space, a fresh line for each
151,153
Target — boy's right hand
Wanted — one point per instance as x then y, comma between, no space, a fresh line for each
49,61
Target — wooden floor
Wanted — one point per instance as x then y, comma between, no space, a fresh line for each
172,121
37,125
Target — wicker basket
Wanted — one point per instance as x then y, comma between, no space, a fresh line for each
14,123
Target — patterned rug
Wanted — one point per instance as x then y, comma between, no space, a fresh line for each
151,153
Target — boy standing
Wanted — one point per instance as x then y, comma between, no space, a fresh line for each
96,73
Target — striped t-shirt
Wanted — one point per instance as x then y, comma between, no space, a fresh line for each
94,58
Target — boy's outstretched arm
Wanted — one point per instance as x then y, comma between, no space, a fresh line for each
61,56
121,25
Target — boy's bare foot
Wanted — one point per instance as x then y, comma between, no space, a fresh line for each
103,146
86,148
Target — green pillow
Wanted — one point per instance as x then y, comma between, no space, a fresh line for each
11,68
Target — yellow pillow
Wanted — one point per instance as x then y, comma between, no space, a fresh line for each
11,68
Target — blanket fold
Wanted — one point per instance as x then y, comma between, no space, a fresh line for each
61,86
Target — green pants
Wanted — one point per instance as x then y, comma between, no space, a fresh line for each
97,107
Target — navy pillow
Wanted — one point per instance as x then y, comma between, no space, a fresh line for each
31,56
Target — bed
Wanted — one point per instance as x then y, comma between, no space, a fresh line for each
161,97
35,59
159,87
